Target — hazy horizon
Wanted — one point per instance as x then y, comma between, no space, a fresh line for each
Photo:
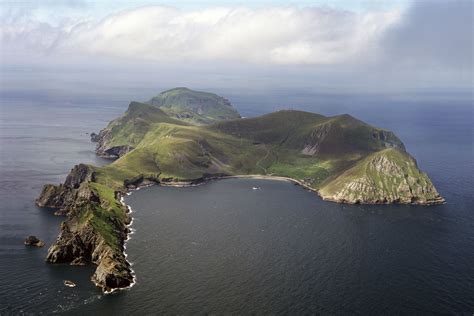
325,47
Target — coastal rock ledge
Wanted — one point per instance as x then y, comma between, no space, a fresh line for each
90,234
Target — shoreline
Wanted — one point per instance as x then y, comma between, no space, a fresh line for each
274,178
130,231
203,181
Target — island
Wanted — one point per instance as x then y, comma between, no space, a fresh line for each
185,137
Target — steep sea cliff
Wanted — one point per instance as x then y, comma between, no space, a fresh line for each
80,240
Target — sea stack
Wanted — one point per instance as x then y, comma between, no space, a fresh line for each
33,241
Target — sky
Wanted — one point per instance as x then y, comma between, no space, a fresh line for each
334,46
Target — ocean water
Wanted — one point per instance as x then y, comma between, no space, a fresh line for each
40,142
223,248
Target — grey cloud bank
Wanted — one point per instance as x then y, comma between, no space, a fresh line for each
428,46
438,33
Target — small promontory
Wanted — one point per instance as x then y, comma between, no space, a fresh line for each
95,229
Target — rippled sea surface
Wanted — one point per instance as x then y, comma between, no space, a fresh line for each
224,248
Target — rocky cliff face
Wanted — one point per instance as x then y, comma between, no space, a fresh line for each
81,244
388,176
80,240
103,148
94,137
69,196
389,140
317,136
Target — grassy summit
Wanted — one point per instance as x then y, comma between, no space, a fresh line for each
194,106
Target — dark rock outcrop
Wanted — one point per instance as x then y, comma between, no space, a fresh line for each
317,136
79,174
33,241
94,137
114,152
141,181
65,197
105,150
55,196
79,241
83,246
389,140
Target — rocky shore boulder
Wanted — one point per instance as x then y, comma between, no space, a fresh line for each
33,241
94,138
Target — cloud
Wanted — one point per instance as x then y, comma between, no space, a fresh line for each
271,35
428,45
433,32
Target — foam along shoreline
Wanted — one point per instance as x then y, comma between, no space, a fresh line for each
130,231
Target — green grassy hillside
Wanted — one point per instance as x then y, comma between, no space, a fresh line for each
135,123
312,134
192,106
323,152
127,131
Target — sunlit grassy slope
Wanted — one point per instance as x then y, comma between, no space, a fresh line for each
130,128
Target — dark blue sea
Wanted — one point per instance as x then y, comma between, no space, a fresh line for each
223,248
